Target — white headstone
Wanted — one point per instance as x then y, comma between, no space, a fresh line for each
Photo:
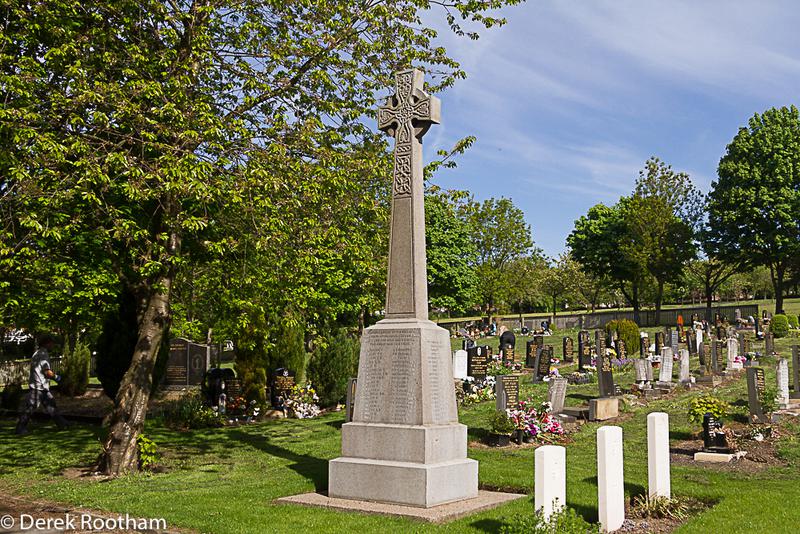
733,352
782,372
610,478
550,476
640,366
665,374
699,338
658,455
556,393
684,374
460,364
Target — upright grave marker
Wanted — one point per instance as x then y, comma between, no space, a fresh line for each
658,455
715,363
659,342
506,391
610,478
684,375
674,340
769,343
665,372
556,394
550,475
584,350
605,374
644,346
567,349
531,348
755,389
640,365
622,350
405,444
478,362
543,357
460,364
782,379
796,371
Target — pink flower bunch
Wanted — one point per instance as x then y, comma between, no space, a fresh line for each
535,423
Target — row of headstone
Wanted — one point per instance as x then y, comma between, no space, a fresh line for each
550,473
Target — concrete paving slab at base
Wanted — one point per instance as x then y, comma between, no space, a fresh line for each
437,514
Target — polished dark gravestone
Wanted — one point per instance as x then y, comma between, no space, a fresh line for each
584,350
605,375
543,357
567,349
506,392
478,359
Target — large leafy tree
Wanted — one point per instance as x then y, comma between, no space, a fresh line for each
601,243
661,219
501,236
451,251
165,132
754,205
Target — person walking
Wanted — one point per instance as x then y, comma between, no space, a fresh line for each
39,388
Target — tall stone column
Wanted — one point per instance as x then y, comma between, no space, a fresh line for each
405,445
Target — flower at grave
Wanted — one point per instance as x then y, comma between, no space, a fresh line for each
302,402
518,417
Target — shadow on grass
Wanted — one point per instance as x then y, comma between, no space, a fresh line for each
310,467
45,439
335,424
580,396
488,525
681,435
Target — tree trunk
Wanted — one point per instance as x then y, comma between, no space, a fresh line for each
777,282
635,304
121,454
709,295
555,298
659,298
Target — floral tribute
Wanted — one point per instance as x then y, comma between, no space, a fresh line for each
475,391
538,423
302,402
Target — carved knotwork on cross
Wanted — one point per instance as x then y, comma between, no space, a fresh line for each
407,115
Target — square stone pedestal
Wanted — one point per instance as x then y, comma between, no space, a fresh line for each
405,445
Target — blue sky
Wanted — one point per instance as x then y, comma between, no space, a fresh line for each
569,99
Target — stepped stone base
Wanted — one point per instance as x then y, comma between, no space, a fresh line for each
437,514
405,483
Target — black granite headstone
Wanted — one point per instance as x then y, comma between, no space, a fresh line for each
280,386
543,357
567,349
605,375
478,359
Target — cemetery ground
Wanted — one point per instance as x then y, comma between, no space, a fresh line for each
226,479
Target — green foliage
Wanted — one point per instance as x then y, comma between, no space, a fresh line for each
565,521
707,403
289,350
598,242
189,412
659,507
501,424
628,331
451,251
768,401
116,344
75,370
332,365
779,325
793,321
148,452
501,236
753,207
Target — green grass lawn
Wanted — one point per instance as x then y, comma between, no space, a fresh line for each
225,480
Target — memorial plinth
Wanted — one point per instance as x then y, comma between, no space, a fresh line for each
405,445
